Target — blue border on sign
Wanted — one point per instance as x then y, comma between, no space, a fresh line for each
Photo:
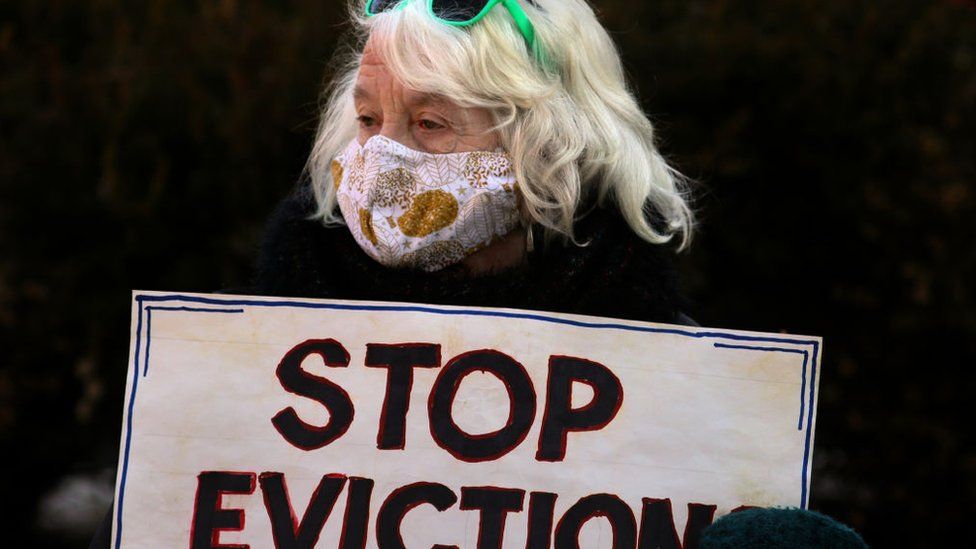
542,317
803,369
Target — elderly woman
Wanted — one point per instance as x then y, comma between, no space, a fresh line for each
490,152
483,153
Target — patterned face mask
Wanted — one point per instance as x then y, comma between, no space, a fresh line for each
418,210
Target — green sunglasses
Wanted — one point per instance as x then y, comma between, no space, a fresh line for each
463,13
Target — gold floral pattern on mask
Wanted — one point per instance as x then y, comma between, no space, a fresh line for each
430,212
336,174
481,165
435,256
412,209
393,188
366,225
357,175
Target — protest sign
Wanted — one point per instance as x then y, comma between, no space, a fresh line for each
271,422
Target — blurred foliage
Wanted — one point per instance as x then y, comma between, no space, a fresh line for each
142,144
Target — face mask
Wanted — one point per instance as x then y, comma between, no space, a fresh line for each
418,210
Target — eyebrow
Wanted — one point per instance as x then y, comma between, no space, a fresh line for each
420,100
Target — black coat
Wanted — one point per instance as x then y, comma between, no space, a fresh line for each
616,275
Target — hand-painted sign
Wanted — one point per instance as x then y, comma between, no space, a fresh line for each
270,422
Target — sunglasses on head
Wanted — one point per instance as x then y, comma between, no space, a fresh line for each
463,13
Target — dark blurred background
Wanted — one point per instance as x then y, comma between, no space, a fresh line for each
142,145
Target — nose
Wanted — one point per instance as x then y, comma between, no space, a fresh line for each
396,126
397,130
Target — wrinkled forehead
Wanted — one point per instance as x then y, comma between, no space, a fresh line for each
371,51
376,76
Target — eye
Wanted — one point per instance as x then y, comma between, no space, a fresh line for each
365,121
429,125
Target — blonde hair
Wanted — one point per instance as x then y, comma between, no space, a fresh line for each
569,121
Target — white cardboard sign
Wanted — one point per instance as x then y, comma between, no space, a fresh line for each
269,422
